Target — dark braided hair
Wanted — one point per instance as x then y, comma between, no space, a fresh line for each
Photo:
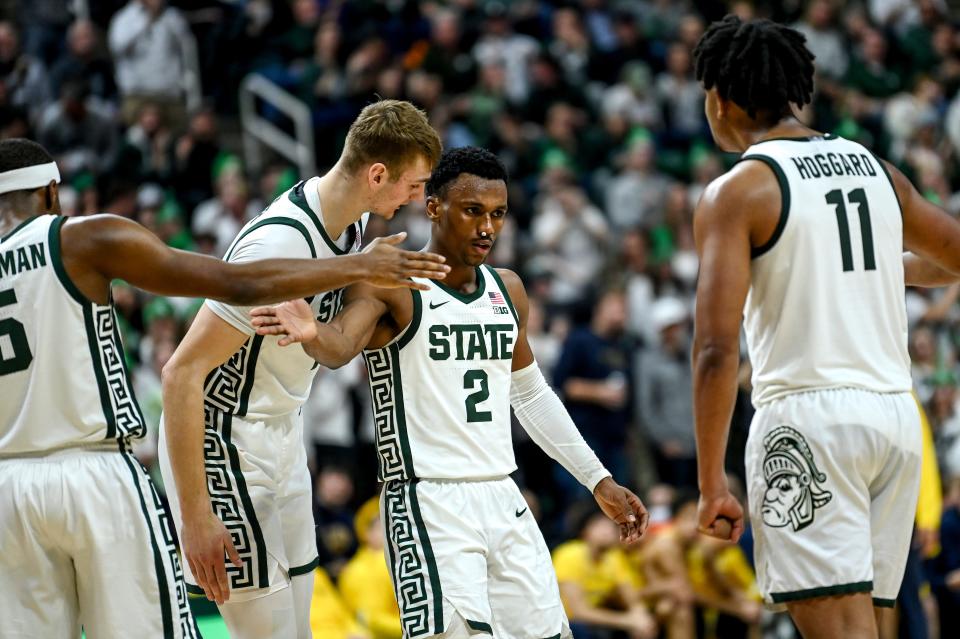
760,65
467,159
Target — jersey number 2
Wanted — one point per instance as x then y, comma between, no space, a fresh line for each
858,197
14,356
470,380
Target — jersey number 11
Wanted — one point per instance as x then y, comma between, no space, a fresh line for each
859,197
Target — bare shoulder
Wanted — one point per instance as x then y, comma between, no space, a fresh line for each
513,283
748,184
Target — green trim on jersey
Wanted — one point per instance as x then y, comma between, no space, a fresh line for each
411,329
19,226
479,625
194,590
249,512
105,404
53,241
824,591
388,540
466,298
506,293
165,604
884,603
251,370
556,636
295,571
283,221
802,138
430,559
784,202
301,202
889,179
399,413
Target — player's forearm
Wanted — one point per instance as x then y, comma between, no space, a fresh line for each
331,348
183,423
715,368
920,272
278,280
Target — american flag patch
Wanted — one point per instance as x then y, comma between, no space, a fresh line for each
496,297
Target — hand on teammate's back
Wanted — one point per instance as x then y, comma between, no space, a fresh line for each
623,507
293,320
392,267
206,543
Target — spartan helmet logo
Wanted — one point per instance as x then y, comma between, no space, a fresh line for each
794,483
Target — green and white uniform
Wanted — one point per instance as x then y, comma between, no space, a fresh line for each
84,537
833,456
460,539
257,473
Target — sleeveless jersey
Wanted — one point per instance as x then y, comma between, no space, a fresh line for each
826,302
263,380
63,379
441,389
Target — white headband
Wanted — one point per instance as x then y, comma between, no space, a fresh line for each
29,177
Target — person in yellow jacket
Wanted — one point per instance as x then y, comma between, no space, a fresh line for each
598,588
329,616
365,580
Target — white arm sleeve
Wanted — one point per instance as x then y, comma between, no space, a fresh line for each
542,415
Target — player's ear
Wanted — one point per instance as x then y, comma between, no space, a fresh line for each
433,207
377,174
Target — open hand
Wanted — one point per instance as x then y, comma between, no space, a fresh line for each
623,507
205,541
392,267
293,320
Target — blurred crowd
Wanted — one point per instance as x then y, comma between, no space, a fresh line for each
593,107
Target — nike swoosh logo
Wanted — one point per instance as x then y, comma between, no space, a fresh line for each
520,512
433,306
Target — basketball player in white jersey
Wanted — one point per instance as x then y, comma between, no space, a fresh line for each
232,441
445,365
803,241
83,541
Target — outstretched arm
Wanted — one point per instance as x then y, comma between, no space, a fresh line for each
543,416
102,248
332,344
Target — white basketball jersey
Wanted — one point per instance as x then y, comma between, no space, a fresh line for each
63,380
441,389
264,380
826,303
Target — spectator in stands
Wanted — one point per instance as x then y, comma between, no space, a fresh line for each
663,390
597,585
194,155
336,540
944,570
635,197
224,215
824,39
153,49
78,131
44,25
24,77
593,376
329,616
85,58
498,43
365,581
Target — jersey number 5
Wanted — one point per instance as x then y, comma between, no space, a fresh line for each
858,197
15,354
470,380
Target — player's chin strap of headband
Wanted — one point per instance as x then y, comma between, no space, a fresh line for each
29,177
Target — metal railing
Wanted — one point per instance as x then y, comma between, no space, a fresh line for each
258,130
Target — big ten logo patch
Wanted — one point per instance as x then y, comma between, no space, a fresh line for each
330,304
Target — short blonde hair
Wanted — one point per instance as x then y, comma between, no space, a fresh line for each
393,132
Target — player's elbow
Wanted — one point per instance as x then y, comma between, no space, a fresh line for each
714,353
